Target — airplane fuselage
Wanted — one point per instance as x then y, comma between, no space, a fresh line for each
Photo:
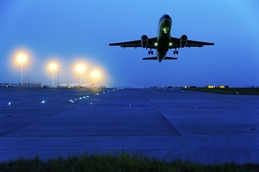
164,36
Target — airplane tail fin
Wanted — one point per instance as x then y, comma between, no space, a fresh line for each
155,58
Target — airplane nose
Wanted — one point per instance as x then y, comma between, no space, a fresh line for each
166,16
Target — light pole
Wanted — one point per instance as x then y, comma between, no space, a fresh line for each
80,69
21,58
53,67
95,74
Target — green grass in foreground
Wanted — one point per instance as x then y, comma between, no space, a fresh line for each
248,91
118,162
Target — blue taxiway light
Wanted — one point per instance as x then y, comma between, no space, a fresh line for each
87,96
42,101
91,103
9,103
97,93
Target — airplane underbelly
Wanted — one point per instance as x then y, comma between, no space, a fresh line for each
163,45
160,56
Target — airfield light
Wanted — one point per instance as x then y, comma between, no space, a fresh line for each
80,69
9,103
21,59
155,43
53,67
170,44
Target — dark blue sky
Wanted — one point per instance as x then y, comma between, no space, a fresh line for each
81,30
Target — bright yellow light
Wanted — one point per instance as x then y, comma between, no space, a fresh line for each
53,66
95,74
210,86
80,68
21,58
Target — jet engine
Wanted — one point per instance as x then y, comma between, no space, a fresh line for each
144,41
183,41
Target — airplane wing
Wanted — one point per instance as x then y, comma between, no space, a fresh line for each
136,43
190,43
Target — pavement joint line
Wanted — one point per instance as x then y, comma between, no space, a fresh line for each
161,114
172,148
51,149
96,135
2,135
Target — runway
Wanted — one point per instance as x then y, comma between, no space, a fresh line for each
164,123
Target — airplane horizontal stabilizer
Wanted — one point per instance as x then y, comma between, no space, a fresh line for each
170,58
150,58
155,58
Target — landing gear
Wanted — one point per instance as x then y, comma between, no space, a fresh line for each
176,51
150,52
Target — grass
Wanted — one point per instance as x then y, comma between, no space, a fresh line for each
245,91
119,162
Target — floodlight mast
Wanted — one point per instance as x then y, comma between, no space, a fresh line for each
80,69
53,67
95,75
21,58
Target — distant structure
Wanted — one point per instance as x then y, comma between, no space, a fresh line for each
25,84
74,86
222,86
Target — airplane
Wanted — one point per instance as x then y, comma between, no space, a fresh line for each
163,42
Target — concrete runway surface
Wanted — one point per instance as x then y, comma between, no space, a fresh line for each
163,123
